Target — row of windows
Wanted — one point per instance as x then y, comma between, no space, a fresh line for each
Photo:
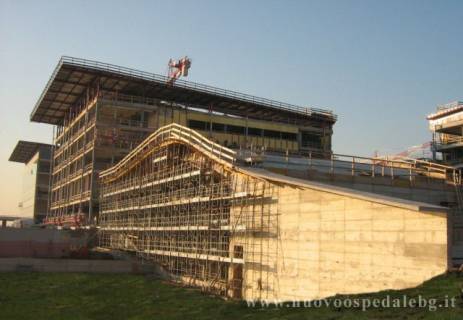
228,128
309,140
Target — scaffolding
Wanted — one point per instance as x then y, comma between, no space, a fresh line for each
96,133
177,200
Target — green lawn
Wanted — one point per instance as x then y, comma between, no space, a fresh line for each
94,296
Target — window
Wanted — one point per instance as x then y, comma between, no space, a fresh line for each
311,140
289,136
255,132
238,252
219,127
272,134
236,129
44,167
198,125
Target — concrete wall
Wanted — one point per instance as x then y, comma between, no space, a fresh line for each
457,237
312,241
336,244
42,243
72,265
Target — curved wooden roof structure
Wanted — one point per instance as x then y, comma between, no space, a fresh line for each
172,133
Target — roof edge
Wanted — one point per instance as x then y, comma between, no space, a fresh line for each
47,86
183,84
453,107
27,154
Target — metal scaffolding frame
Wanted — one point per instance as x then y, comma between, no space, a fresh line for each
92,127
177,199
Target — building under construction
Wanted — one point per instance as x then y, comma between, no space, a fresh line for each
101,112
237,194
446,125
195,208
36,178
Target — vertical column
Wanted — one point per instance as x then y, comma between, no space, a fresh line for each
50,177
92,171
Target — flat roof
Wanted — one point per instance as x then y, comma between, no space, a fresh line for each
73,75
25,150
446,109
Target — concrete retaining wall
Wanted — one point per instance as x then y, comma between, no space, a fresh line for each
43,243
73,265
336,244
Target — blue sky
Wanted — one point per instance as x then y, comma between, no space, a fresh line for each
382,66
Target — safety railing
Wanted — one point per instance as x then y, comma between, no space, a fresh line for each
341,164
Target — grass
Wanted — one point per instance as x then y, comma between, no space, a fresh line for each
104,296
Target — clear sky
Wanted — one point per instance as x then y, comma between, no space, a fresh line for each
382,66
